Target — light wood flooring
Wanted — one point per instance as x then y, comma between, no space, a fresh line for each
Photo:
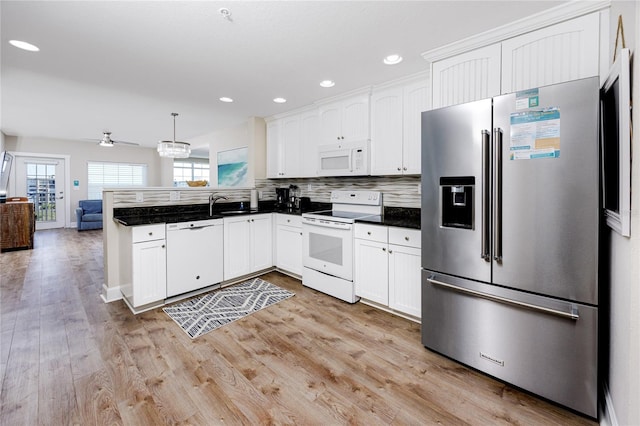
68,358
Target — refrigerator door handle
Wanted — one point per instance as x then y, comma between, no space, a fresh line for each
497,196
486,191
573,315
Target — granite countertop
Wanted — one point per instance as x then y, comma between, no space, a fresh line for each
402,217
136,216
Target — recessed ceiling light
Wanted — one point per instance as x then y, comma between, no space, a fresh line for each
225,13
279,100
327,83
392,59
225,99
24,45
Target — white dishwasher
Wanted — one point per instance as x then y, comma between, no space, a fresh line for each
194,255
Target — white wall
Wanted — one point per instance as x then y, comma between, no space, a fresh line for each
80,153
251,134
623,375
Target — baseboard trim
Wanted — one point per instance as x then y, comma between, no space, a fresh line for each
110,294
608,414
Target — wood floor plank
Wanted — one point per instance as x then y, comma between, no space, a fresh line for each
95,400
69,358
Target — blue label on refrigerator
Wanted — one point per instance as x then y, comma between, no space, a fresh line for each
535,134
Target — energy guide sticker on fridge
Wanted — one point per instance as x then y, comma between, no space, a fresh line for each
535,134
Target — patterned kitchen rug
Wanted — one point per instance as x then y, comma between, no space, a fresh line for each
205,313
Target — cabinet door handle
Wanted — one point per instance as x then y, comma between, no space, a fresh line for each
404,168
384,249
406,238
399,169
163,246
390,251
368,232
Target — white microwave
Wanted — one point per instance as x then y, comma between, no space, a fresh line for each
344,159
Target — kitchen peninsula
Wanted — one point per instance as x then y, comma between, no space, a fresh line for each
240,243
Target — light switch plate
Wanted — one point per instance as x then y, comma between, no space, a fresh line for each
139,197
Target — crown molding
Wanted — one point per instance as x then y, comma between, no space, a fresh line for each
534,22
412,78
366,91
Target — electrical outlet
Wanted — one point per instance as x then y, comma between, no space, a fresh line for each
260,194
139,197
174,196
419,188
308,187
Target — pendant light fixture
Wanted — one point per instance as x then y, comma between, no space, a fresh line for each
174,149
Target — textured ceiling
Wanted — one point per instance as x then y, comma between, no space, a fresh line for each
125,66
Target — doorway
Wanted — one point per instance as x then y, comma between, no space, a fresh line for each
42,181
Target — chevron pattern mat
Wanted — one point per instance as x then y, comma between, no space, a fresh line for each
203,314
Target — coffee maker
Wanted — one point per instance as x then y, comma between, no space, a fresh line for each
282,198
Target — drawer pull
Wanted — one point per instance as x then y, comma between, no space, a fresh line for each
150,233
406,238
570,315
368,232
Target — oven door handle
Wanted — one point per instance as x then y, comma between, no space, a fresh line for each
326,223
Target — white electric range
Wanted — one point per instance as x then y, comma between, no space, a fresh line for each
327,240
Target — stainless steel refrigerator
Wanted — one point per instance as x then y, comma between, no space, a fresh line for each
510,219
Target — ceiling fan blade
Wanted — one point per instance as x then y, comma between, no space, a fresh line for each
125,143
108,141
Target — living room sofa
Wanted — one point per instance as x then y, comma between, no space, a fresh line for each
89,214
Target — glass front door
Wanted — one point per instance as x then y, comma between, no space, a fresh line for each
41,180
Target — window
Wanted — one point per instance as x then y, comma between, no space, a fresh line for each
191,169
109,175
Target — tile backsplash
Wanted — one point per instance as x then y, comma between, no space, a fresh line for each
398,191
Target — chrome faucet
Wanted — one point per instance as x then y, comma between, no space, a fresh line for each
212,201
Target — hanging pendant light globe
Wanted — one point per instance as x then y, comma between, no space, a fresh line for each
174,149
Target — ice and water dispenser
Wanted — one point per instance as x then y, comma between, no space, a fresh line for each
456,201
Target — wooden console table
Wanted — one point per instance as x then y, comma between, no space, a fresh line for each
17,225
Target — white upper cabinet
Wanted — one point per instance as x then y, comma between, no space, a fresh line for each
415,101
309,139
274,157
559,53
346,120
395,128
386,132
292,145
467,77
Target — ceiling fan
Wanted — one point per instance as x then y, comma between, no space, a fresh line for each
106,140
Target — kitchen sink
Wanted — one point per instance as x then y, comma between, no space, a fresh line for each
233,212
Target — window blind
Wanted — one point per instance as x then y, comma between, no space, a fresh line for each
102,175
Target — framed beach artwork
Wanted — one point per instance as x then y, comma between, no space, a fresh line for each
232,167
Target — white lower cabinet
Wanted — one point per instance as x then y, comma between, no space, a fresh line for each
289,243
144,265
247,244
387,267
371,263
404,280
